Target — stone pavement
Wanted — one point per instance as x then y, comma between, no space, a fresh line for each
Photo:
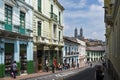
34,75
107,76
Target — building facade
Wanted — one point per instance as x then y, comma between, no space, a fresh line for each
95,53
16,36
47,32
112,22
74,52
82,53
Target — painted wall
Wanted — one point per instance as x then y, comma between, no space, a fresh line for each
47,23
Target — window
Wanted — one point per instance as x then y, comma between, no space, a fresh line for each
39,28
51,8
22,19
69,50
52,15
54,31
88,54
8,14
66,50
39,5
59,35
59,18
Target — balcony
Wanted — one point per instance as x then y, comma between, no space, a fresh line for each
42,40
53,16
109,19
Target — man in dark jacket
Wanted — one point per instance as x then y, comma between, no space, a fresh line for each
99,73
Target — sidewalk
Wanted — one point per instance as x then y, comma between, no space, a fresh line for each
36,74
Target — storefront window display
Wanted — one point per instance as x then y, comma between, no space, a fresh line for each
23,59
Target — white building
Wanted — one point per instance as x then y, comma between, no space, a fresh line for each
82,53
74,51
47,32
16,36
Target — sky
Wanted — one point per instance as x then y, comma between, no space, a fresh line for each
88,14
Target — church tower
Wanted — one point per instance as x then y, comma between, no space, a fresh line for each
75,33
81,34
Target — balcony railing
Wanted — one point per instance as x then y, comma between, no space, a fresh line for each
54,16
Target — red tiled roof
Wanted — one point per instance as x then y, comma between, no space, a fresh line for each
96,48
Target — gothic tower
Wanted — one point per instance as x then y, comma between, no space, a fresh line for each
75,33
81,33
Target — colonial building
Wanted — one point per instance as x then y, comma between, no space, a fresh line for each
94,42
112,21
95,53
74,50
16,36
47,32
82,53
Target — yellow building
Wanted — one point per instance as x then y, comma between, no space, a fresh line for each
47,32
112,22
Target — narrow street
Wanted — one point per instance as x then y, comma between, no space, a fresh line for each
77,74
59,75
87,74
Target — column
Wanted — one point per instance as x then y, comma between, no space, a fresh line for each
35,58
16,51
30,63
58,58
43,59
2,67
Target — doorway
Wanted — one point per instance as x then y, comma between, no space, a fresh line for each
39,56
9,57
23,59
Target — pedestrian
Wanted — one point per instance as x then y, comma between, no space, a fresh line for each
99,74
53,68
91,64
78,65
14,69
60,66
55,63
47,66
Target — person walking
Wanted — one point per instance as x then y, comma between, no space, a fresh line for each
55,64
78,65
47,66
14,69
53,68
90,64
99,75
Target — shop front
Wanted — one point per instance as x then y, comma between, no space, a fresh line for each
16,50
9,57
39,58
23,59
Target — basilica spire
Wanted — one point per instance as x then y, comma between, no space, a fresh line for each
75,33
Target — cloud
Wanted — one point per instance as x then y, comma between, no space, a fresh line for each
73,4
94,11
101,1
96,8
90,17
